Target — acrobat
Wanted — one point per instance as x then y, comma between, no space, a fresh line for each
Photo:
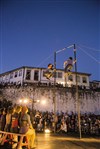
49,72
68,65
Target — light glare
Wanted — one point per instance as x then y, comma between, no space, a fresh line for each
47,131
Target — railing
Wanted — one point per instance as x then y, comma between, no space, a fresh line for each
20,142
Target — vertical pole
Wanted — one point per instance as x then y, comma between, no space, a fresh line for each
77,97
55,68
65,76
32,105
22,83
54,94
32,114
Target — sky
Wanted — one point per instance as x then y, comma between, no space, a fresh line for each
32,30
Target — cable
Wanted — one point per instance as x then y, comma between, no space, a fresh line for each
89,55
89,48
44,60
1,51
70,47
51,55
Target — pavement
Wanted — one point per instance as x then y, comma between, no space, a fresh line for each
64,141
59,141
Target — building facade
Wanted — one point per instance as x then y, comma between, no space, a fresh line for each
22,83
30,75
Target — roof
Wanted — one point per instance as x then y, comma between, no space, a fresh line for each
30,67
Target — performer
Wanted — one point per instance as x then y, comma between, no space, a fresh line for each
49,72
68,65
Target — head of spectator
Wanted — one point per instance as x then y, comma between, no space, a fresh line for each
18,109
24,109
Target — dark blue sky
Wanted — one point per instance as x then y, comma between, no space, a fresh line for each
31,30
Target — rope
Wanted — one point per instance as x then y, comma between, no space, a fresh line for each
89,55
89,48
44,60
71,47
1,51
51,55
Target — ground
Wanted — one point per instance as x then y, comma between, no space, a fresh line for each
52,141
64,141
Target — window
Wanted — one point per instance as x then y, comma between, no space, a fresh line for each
70,78
16,74
78,78
11,75
59,74
84,80
3,78
36,75
28,75
20,72
44,73
7,77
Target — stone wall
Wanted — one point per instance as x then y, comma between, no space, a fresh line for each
65,98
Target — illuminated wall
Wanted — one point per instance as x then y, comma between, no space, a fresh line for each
64,97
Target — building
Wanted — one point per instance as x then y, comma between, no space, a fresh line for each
31,75
24,81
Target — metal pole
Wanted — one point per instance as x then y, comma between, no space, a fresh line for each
54,94
54,68
77,97
32,105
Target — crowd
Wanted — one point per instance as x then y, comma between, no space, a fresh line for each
17,120
64,122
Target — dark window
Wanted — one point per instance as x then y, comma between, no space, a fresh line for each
59,74
11,75
78,78
70,78
20,72
28,75
84,80
16,74
44,73
7,77
36,75
55,74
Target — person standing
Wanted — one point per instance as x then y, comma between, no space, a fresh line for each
8,120
3,120
15,124
26,127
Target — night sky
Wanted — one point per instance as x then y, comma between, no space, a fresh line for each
31,30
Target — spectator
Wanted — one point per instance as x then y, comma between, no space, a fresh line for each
3,120
8,120
26,127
